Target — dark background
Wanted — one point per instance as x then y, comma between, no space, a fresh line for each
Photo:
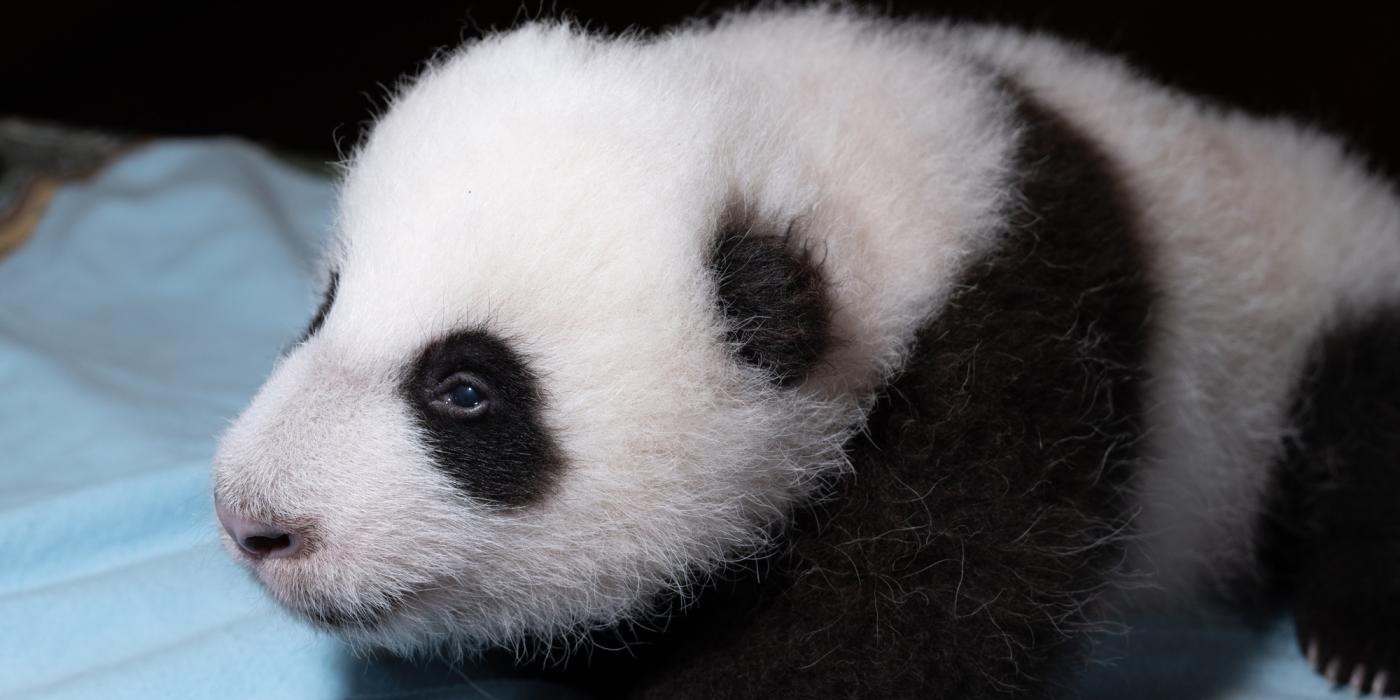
306,78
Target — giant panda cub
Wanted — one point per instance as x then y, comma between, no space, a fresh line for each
818,355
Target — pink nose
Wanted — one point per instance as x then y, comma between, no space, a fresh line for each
259,539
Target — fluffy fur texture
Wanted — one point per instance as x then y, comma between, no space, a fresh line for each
991,303
986,513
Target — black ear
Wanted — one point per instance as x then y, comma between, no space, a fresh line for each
772,296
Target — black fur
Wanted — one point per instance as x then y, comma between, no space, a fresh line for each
324,308
1331,535
772,296
986,506
505,456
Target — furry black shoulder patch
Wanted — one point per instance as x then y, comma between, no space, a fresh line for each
480,406
986,509
772,296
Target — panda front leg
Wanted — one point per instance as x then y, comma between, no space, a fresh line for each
1335,521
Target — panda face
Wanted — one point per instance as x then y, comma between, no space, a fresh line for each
559,369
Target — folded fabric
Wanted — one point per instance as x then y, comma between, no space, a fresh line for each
136,319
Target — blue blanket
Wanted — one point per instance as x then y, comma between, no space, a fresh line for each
137,319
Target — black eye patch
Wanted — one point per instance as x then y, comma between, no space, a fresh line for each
480,406
773,298
320,318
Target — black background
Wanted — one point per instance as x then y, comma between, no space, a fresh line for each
306,78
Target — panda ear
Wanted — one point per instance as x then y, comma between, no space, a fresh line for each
772,296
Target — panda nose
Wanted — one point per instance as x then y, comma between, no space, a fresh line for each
258,539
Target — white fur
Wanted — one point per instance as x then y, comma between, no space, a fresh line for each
561,190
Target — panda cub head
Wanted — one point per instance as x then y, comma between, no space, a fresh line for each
566,361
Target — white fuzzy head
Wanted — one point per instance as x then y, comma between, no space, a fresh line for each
536,218
605,311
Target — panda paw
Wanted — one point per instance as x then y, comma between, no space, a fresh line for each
1356,651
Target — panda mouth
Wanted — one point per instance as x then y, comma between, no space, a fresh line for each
337,619
361,617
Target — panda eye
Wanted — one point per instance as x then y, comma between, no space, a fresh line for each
464,396
460,396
